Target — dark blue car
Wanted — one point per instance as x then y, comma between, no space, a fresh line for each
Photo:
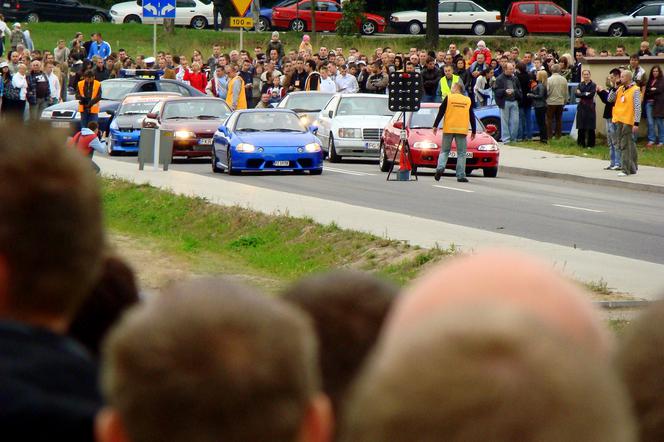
265,20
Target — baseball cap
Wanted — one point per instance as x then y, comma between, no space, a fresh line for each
362,62
4,64
149,60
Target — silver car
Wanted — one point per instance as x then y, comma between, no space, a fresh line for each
631,22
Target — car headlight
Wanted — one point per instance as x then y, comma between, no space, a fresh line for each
184,134
103,115
425,145
393,18
47,115
245,147
350,133
312,147
486,147
114,12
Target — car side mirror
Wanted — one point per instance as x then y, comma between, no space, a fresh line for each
491,129
223,129
313,129
398,124
330,114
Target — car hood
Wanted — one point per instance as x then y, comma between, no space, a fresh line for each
125,6
276,139
198,126
609,16
376,17
129,121
415,135
362,121
582,20
104,105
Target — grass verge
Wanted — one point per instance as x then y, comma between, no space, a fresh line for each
278,246
567,146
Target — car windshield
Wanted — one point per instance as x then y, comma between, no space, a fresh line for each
266,121
313,102
364,106
136,107
116,90
632,9
425,117
196,109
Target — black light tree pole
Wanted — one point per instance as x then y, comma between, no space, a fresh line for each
432,24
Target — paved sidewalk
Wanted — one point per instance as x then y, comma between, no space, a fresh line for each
532,162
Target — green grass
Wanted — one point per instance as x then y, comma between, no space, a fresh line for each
277,246
137,39
567,146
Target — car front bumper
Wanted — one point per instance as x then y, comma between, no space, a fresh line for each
357,147
260,161
601,27
191,148
124,141
480,159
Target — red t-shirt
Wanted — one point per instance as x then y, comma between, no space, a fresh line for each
196,80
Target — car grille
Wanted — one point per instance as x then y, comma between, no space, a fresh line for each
371,134
126,129
63,114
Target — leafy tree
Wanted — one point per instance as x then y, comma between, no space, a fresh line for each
433,32
352,15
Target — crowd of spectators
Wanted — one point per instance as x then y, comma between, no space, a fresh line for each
518,354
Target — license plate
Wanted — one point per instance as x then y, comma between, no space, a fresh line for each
453,154
281,163
60,124
205,141
375,145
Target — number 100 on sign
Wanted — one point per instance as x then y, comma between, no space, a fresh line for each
242,22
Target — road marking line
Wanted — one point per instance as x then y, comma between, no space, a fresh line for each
348,172
454,188
578,208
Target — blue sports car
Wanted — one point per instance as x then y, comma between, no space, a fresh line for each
266,140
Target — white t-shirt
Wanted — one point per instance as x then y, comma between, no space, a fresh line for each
327,85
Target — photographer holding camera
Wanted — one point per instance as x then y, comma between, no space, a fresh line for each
88,94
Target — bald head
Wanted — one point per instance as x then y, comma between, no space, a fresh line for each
507,278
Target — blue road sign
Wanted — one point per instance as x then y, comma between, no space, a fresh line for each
158,8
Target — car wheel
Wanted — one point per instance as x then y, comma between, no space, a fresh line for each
617,30
32,17
469,172
199,22
215,167
495,122
490,172
578,32
298,25
479,28
368,28
316,171
383,162
229,163
415,28
97,18
263,24
132,19
332,152
519,31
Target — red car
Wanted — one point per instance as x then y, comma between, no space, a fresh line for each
482,152
542,17
297,17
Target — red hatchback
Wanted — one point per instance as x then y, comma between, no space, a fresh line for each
542,17
297,17
482,152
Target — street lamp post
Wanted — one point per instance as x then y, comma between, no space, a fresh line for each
573,27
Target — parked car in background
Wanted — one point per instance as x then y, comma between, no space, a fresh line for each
351,125
453,15
33,11
297,17
194,13
261,140
482,151
265,19
124,132
618,24
193,121
540,17
490,115
307,105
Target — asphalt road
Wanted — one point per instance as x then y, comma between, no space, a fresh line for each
591,217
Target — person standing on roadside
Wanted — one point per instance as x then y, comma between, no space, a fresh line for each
313,81
5,32
508,94
430,80
218,84
557,94
445,84
99,48
236,98
538,97
88,94
16,37
612,83
458,112
626,116
39,90
654,101
585,114
217,9
55,87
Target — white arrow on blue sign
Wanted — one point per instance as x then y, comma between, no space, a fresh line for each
159,8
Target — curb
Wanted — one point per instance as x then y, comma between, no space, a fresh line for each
614,305
583,179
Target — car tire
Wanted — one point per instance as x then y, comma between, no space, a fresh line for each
132,19
383,161
479,28
495,122
519,31
199,22
579,31
263,24
316,171
229,163
215,168
617,30
32,17
332,152
298,25
490,172
368,27
415,28
98,18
